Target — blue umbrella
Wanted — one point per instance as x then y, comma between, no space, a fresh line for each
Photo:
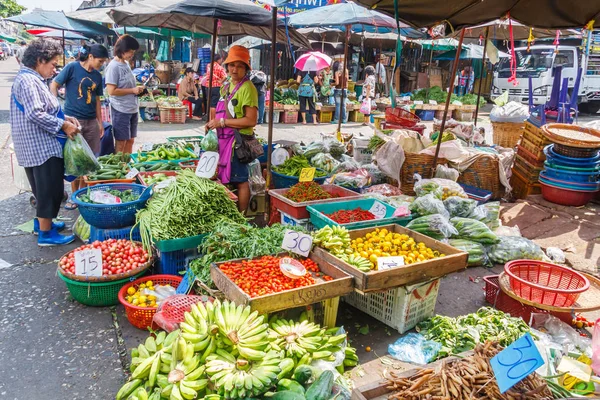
58,20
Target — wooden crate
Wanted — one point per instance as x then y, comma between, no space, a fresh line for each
455,260
323,290
356,116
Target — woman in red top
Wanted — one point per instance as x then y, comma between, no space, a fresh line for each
219,76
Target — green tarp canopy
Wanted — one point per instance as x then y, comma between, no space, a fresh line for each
7,38
150,33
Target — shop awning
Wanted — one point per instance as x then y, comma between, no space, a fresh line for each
58,20
471,51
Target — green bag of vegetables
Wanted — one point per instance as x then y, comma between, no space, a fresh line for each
511,248
477,253
79,157
435,226
210,142
82,229
428,204
473,230
459,207
488,213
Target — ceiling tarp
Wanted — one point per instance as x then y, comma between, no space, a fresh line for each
98,14
58,20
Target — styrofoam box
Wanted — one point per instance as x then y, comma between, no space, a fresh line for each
360,152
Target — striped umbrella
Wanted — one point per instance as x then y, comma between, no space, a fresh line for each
313,61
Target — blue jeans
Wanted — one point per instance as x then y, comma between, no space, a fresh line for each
338,104
261,107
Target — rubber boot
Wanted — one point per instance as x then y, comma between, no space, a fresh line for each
53,238
58,226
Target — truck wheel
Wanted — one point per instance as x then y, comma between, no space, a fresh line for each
591,107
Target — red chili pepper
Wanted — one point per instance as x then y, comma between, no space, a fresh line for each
349,216
307,191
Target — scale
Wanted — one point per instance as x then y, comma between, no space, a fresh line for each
292,268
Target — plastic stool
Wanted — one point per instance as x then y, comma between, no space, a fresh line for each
189,106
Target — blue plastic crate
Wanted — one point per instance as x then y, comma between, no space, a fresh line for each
174,262
281,181
481,195
122,233
425,115
320,220
263,159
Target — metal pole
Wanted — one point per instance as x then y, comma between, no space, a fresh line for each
429,71
487,32
63,46
344,79
271,106
450,90
212,63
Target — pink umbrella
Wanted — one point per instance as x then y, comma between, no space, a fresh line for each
313,61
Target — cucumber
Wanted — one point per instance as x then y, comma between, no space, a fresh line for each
321,388
287,395
302,374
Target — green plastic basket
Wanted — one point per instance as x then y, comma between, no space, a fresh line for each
134,159
188,139
97,294
180,244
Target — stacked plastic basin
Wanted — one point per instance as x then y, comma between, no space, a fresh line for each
568,180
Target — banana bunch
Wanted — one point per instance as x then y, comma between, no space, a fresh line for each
238,378
351,359
245,331
199,328
335,239
359,262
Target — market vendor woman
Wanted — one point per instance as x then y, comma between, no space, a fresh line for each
237,109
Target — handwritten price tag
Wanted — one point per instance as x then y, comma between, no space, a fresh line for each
307,174
297,242
384,263
88,262
186,283
378,210
516,362
132,173
208,164
147,146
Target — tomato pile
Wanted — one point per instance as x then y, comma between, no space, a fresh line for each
348,216
118,256
263,276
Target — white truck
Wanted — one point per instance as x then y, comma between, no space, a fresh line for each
538,63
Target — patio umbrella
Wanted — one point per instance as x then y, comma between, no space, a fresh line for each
62,34
95,14
7,38
58,20
312,61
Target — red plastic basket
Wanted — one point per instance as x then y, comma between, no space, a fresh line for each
401,117
503,302
173,309
192,164
141,317
545,283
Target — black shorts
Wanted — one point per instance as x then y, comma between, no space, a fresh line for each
124,125
47,185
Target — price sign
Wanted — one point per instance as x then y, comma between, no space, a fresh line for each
433,102
384,263
418,101
299,243
88,262
516,362
307,174
378,209
132,173
102,197
186,283
208,164
147,146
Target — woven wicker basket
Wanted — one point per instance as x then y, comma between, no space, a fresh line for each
416,164
507,134
483,174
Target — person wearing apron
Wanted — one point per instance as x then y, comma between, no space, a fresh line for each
237,109
39,131
306,95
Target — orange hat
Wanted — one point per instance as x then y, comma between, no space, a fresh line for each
238,53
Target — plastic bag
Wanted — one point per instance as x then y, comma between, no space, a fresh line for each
390,157
435,226
325,162
313,149
348,164
508,231
334,147
474,230
81,229
477,253
488,213
556,255
441,188
384,189
414,348
365,107
596,348
377,176
444,172
351,180
257,182
210,142
429,204
79,157
561,333
514,248
460,207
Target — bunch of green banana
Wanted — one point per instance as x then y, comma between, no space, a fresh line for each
359,262
200,329
351,359
303,341
335,239
236,378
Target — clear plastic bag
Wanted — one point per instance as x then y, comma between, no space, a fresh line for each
377,176
460,207
256,180
348,164
210,142
79,158
508,231
561,333
325,162
352,180
427,205
514,248
435,226
556,255
596,348
445,172
477,252
474,230
414,348
334,147
313,149
488,213
384,189
441,188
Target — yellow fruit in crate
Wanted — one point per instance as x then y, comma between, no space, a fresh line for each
151,297
135,302
142,286
142,299
149,283
131,290
373,258
142,305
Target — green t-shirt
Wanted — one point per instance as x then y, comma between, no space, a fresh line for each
246,96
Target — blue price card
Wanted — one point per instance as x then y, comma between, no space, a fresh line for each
516,362
186,283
